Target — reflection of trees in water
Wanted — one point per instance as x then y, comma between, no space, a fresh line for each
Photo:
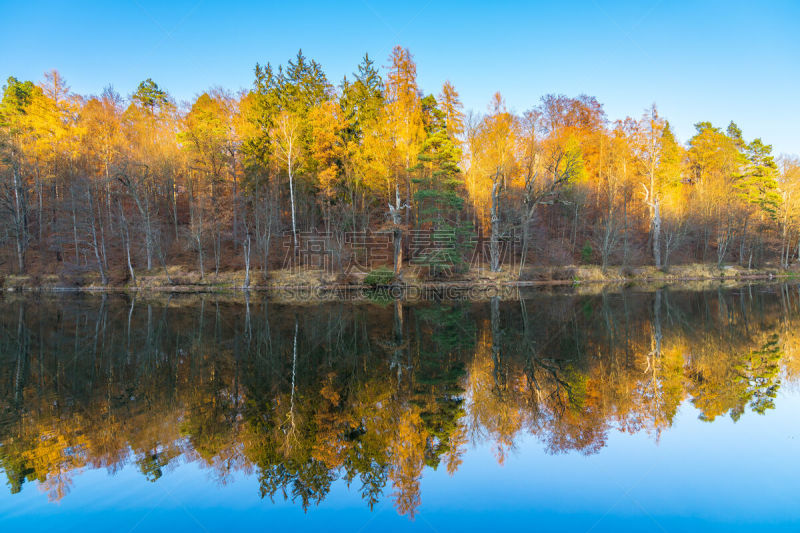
304,396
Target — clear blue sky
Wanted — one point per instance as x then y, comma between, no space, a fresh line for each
702,60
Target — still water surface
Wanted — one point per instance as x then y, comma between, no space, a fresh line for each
670,410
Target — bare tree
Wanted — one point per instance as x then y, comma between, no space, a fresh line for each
265,216
396,219
648,136
543,182
287,134
14,200
135,182
247,240
494,213
99,249
197,226
675,231
610,227
126,240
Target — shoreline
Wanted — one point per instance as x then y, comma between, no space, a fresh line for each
321,286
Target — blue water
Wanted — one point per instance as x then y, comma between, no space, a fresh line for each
698,476
167,390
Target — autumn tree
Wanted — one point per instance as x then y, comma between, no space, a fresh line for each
405,127
15,125
789,207
648,137
147,169
206,138
439,185
548,162
715,163
365,146
493,167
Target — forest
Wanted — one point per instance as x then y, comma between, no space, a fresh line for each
371,171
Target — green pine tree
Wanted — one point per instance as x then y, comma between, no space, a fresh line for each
439,197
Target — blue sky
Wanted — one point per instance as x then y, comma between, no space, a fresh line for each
703,60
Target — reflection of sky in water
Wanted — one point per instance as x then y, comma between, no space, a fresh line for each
717,476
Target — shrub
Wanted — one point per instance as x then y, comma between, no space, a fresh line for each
379,277
380,297
564,274
535,274
586,253
346,279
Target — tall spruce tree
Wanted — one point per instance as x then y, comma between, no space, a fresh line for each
439,183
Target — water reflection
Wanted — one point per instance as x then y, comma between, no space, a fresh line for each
301,396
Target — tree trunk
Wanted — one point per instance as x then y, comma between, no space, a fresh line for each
148,237
264,233
199,241
144,211
246,284
174,198
398,249
494,240
100,267
196,228
75,228
126,237
525,238
40,200
291,199
217,240
397,231
235,227
19,227
657,234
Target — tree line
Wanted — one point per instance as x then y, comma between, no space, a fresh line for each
120,186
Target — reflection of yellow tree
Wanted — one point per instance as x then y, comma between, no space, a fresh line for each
456,444
662,390
407,447
53,454
494,414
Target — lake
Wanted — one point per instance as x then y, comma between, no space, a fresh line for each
646,410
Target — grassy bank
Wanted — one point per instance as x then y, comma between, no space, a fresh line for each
178,279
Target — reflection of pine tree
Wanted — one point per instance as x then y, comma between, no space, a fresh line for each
759,377
439,389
